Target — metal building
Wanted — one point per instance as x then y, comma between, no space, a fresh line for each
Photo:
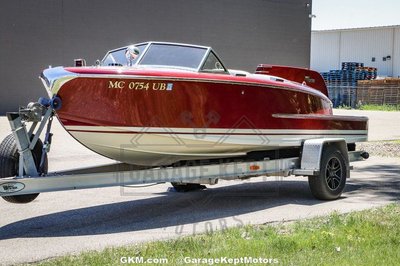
375,47
36,34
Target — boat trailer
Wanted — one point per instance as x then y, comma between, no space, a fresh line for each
326,162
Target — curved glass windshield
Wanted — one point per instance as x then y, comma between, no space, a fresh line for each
173,55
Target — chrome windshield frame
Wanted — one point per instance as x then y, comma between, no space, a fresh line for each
208,50
203,60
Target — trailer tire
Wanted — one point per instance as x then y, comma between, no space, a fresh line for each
9,165
179,187
330,182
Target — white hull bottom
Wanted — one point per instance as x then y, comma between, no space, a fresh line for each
157,146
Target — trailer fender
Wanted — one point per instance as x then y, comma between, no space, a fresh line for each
311,155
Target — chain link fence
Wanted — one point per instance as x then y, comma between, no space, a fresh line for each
364,94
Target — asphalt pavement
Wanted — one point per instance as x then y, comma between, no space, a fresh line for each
60,223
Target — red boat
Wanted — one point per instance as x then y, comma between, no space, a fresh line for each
158,103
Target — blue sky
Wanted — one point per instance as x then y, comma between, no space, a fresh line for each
341,14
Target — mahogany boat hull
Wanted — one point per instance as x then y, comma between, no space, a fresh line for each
158,117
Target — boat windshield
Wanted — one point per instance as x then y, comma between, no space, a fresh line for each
173,56
166,55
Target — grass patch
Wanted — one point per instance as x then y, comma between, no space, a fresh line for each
396,141
375,107
372,107
369,237
344,107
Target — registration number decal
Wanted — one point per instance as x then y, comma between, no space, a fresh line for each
145,86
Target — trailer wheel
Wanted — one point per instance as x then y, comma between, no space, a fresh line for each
9,165
179,187
330,182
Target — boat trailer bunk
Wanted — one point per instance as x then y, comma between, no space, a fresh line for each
23,164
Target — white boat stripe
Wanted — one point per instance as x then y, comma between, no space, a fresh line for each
221,131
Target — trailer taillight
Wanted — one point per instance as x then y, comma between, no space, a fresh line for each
254,167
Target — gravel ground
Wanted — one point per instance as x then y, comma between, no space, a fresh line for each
381,148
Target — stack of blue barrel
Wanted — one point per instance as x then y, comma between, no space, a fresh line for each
342,84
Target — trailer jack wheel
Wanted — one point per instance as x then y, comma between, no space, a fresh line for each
9,165
179,187
330,182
